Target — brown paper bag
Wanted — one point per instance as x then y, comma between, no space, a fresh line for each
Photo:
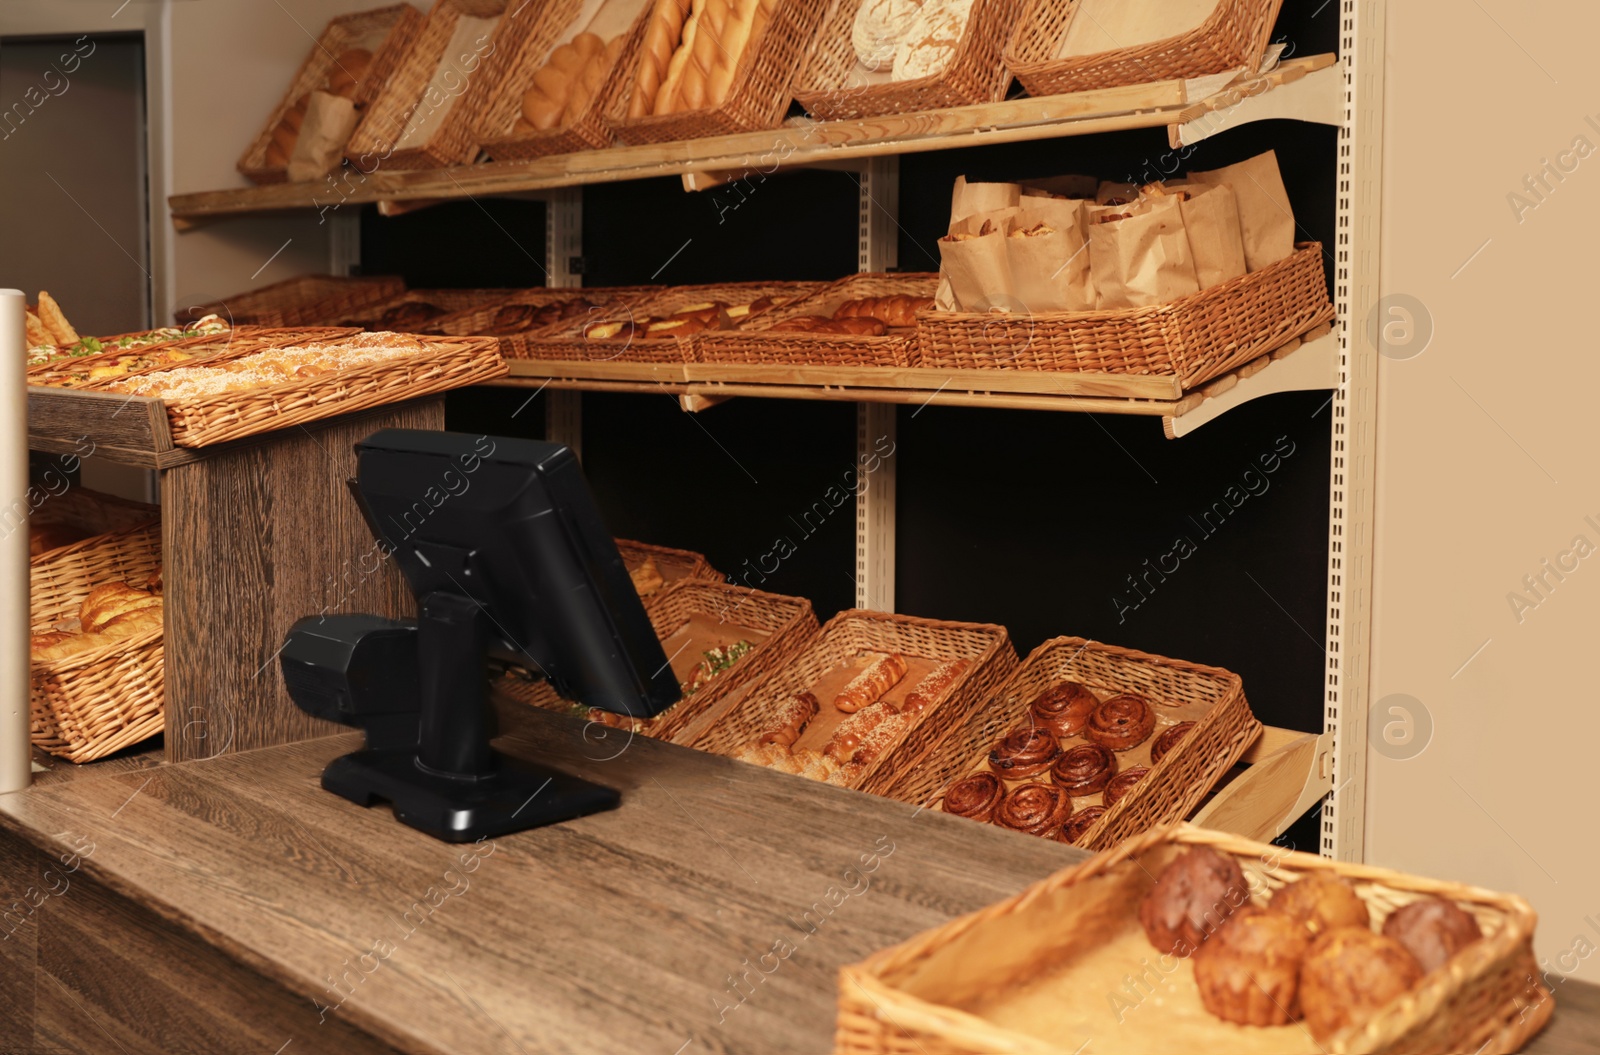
1109,192
973,199
1141,256
325,130
1211,220
974,265
1047,255
1266,221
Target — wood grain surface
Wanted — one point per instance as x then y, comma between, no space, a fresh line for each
236,887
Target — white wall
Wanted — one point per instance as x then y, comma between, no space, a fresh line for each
1488,464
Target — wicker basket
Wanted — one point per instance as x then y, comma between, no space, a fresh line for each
241,340
398,24
1210,697
499,138
758,343
567,342
1233,36
300,301
784,625
1194,338
758,97
480,321
673,564
409,94
987,648
831,87
939,993
453,301
92,704
90,513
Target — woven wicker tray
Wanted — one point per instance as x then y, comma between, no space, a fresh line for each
1194,338
75,373
690,616
832,87
299,301
673,564
1048,961
1232,37
453,301
480,321
1210,697
823,669
399,24
495,131
757,343
92,704
758,97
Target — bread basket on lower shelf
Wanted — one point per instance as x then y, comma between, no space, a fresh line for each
1062,967
758,344
91,704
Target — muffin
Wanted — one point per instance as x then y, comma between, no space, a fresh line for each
1249,972
1121,723
1084,770
1024,752
1432,930
1350,974
975,797
1191,898
1037,809
1322,902
1064,708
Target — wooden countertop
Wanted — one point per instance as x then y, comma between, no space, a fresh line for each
626,931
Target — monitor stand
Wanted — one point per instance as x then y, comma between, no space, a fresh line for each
452,784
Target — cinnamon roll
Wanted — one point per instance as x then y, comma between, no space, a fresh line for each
1079,824
1120,784
1064,708
1038,809
975,797
1084,770
1121,723
1168,740
1024,752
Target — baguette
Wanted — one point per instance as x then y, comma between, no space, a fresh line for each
880,675
661,37
751,17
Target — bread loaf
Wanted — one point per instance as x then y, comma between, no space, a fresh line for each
878,27
930,41
750,17
661,38
898,310
287,133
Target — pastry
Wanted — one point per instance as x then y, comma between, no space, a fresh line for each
898,310
791,720
881,674
1024,752
930,40
714,661
271,367
933,686
55,321
408,316
861,327
105,603
661,38
1038,809
1191,898
662,328
613,331
878,27
1349,974
1321,901
880,738
1064,708
1120,784
1080,823
1433,930
1084,769
287,133
647,578
1121,723
975,797
854,730
814,765
762,754
1168,739
1249,971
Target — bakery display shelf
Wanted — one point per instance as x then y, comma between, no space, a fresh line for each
1306,363
799,142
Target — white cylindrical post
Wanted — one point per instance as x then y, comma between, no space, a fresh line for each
16,768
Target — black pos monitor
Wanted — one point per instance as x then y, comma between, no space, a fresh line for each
501,543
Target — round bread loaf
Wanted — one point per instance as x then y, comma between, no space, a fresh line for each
929,42
878,29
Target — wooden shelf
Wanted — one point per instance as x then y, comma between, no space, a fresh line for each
801,142
1307,363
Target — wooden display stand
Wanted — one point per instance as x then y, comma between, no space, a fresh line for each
255,534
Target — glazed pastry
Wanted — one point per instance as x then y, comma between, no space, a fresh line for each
1084,770
792,719
975,797
854,730
763,754
1122,783
1249,971
1433,930
899,310
1024,752
1322,901
933,686
1063,708
1080,823
1349,974
1121,723
1038,809
880,675
880,738
1168,739
1191,899
815,765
